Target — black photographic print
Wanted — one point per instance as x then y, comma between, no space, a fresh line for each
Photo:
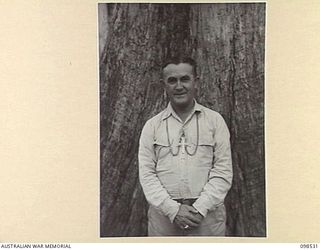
227,43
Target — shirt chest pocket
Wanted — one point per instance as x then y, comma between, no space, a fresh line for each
204,151
162,150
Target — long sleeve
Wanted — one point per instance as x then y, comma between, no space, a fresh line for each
220,175
154,191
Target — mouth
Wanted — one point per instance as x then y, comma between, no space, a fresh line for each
180,94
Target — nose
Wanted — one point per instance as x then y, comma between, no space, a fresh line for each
179,84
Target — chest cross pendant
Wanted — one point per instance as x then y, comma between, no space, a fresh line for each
183,145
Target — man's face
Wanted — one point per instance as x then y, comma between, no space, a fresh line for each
180,84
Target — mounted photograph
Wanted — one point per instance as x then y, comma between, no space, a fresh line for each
182,119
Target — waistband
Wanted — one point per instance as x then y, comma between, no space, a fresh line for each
188,202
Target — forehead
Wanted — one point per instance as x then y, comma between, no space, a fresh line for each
175,70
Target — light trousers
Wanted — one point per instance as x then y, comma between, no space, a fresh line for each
214,224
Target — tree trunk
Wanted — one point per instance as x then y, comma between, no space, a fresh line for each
227,41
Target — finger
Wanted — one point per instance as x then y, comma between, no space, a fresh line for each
184,207
190,223
194,218
182,221
199,216
188,219
181,225
185,224
193,210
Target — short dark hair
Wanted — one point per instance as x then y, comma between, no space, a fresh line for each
181,59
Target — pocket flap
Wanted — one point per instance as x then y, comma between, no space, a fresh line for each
160,142
204,141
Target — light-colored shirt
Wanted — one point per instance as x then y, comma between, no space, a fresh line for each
172,166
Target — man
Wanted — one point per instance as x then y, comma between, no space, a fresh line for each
185,166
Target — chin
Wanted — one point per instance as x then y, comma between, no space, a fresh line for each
181,103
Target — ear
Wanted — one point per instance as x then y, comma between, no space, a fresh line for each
162,83
197,82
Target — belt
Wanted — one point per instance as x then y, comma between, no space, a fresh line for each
188,202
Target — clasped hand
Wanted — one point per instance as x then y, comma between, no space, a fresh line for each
188,216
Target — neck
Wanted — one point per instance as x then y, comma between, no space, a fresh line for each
183,111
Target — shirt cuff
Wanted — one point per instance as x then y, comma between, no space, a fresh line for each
202,210
170,208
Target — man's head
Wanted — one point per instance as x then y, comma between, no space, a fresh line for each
180,81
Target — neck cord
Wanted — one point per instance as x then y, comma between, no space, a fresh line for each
170,144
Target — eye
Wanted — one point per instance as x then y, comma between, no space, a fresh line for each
185,78
172,80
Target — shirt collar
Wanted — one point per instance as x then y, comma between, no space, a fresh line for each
169,110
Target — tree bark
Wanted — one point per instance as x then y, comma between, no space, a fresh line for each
227,41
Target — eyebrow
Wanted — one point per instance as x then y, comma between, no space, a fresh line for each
173,77
185,76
